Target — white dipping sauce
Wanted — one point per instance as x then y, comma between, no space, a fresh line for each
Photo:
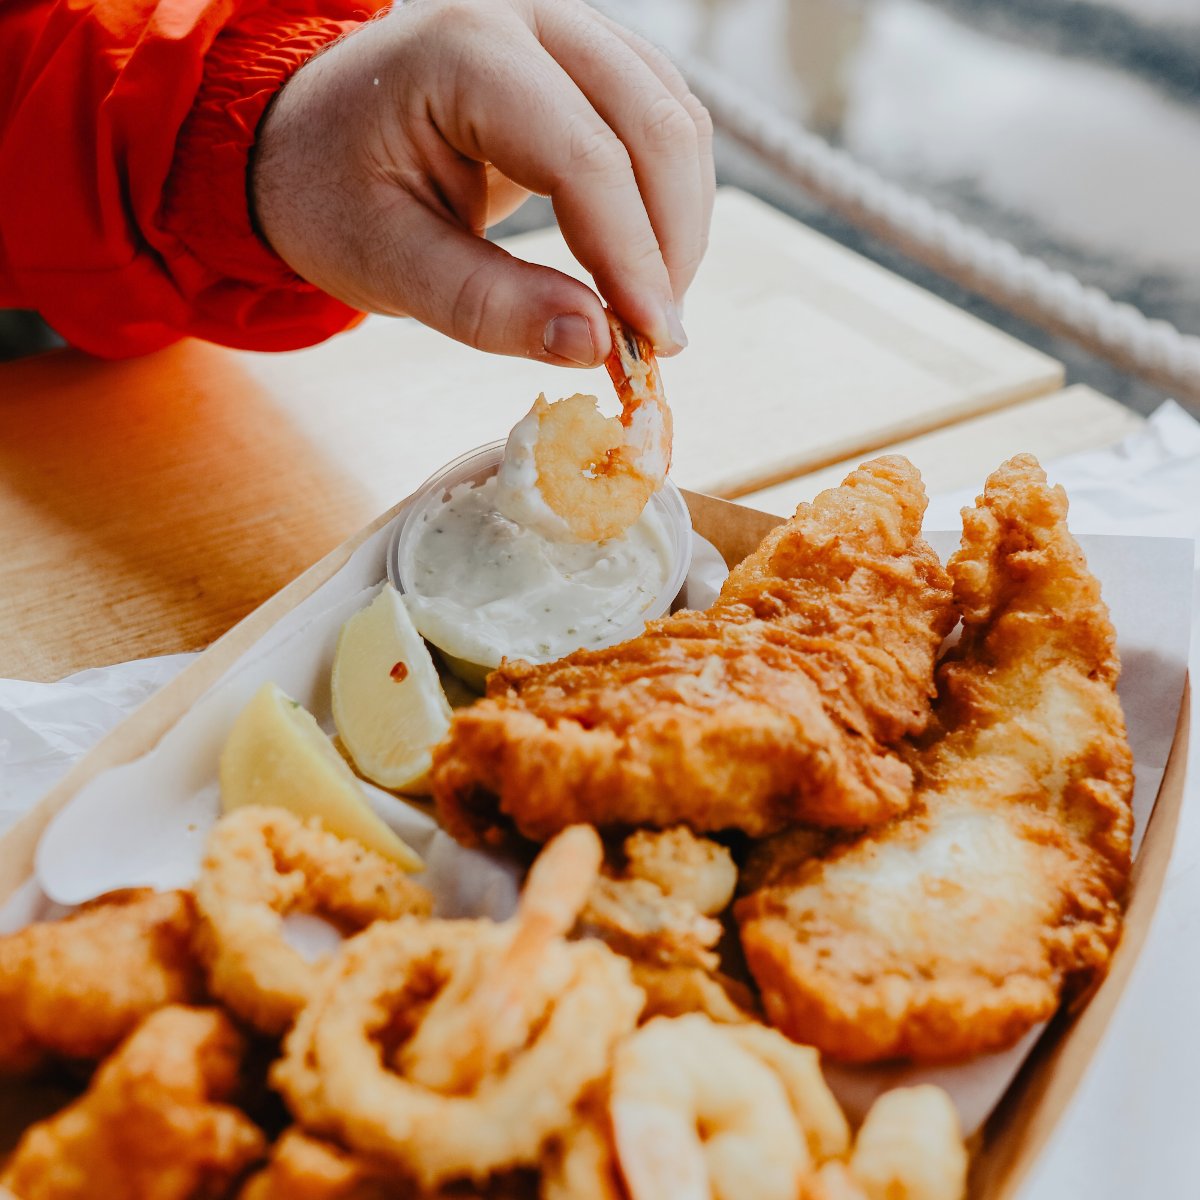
485,588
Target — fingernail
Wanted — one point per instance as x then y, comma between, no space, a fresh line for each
675,326
570,337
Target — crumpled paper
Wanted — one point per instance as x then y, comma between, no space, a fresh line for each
46,727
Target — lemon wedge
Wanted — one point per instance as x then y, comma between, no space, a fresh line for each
388,702
277,754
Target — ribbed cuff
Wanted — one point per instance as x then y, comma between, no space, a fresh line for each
207,203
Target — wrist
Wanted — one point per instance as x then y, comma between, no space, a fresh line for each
208,204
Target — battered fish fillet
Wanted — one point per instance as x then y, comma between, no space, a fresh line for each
74,988
954,929
152,1125
783,702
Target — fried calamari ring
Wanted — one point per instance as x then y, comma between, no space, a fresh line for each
264,863
478,1020
337,1074
573,474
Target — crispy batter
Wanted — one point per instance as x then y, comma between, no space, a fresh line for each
637,920
953,930
74,988
263,863
782,702
686,867
679,988
152,1125
337,1077
303,1167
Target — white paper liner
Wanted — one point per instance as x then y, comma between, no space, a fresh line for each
169,797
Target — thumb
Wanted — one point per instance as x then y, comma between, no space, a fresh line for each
477,293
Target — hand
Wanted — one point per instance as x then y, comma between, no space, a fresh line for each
384,159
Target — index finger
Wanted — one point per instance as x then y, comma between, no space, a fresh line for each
536,126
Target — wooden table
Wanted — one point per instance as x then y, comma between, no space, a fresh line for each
148,505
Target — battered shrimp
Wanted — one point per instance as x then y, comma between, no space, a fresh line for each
696,1116
479,1019
575,475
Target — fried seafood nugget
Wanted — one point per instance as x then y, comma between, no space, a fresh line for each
74,988
672,990
953,930
262,864
153,1125
784,701
685,867
302,1167
656,911
581,1163
305,1168
910,1147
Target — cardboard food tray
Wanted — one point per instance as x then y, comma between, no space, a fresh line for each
1016,1132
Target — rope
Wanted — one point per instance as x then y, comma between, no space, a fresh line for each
990,266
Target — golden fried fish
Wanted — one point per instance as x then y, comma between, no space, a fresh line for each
784,701
954,929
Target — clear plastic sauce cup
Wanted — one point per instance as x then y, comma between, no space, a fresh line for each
475,467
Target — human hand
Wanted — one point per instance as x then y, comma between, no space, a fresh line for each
384,159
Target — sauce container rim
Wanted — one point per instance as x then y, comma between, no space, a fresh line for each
483,461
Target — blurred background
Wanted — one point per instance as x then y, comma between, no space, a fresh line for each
1068,127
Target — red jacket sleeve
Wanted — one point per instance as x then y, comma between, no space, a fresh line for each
126,128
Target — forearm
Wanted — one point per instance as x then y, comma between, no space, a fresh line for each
125,135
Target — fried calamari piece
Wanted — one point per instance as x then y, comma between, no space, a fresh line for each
459,1049
784,701
953,930
262,864
303,1167
74,988
153,1125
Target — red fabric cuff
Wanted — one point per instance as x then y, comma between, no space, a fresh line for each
206,205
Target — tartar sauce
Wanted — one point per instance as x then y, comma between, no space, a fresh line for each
483,587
